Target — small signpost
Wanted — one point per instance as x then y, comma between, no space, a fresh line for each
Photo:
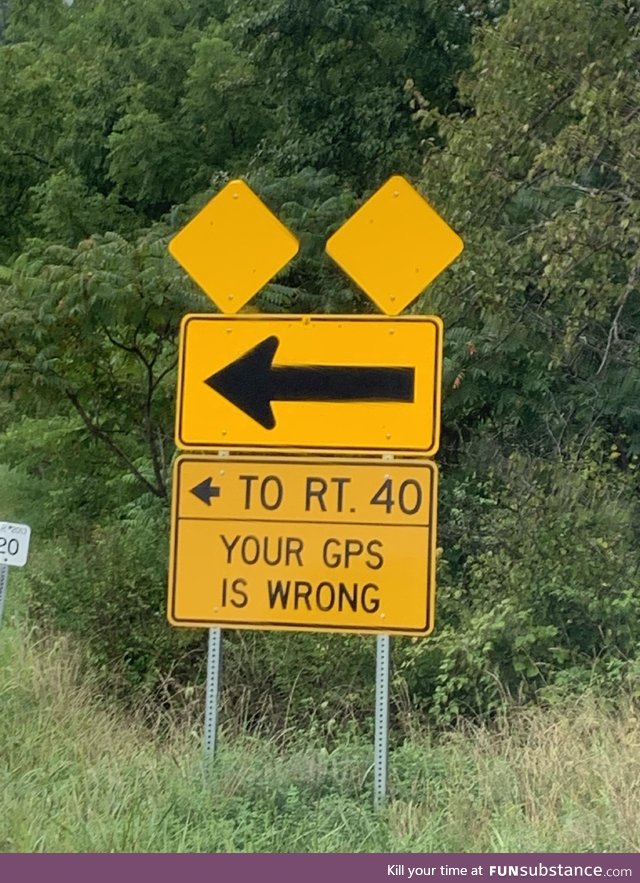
14,548
313,507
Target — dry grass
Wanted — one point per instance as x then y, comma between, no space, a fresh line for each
564,778
76,775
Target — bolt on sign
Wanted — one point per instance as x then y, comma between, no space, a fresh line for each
356,382
307,544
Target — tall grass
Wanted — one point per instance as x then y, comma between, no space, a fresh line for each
76,775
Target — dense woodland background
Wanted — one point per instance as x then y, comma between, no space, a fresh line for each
521,123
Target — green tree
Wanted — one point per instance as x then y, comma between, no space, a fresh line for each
119,111
92,332
32,119
33,20
539,512
540,175
341,77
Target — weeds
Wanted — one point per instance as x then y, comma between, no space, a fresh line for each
78,776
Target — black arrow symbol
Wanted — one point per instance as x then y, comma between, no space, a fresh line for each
204,491
252,382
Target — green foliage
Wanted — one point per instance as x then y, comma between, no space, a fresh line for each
541,179
142,103
131,105
107,586
65,211
342,76
56,479
33,19
32,114
223,107
313,204
537,586
92,331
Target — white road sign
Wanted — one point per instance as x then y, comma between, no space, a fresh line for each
14,543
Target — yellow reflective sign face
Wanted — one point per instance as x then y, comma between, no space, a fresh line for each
394,245
361,382
315,544
233,246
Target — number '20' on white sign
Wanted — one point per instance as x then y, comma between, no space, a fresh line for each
14,543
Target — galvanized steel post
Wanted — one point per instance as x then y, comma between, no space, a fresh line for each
214,663
4,578
383,658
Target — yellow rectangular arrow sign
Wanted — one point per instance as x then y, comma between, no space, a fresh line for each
313,544
354,382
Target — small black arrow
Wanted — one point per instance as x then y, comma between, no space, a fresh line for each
204,491
252,382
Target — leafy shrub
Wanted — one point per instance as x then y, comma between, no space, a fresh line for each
109,589
537,586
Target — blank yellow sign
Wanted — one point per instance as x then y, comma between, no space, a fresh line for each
313,544
394,245
233,246
355,382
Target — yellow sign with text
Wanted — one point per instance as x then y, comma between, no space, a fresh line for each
349,382
320,544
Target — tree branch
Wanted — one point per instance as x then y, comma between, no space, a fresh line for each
151,441
98,432
613,331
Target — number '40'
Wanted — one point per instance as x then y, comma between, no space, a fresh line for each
409,496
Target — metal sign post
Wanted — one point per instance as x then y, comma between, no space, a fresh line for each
214,663
381,745
4,578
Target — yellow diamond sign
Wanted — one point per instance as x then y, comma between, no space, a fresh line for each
233,246
394,245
